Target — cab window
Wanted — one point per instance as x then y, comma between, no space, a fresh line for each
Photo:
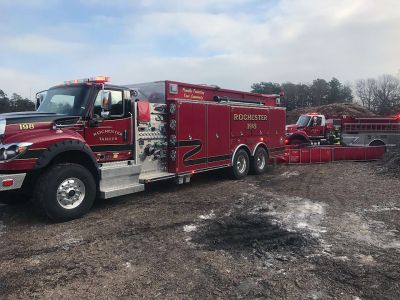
117,104
315,121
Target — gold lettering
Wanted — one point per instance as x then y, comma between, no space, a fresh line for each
26,126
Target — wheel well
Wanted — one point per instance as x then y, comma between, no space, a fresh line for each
243,146
298,137
262,146
77,157
377,143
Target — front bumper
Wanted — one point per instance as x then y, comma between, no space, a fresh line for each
17,181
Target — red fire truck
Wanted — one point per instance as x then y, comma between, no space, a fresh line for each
91,139
315,128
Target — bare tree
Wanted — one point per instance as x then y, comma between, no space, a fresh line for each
387,94
365,91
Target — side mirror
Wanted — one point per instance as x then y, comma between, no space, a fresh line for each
40,98
106,101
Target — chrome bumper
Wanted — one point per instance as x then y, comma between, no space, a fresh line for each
18,180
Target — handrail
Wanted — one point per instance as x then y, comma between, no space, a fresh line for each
368,127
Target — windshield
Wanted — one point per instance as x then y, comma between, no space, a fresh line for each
303,120
70,101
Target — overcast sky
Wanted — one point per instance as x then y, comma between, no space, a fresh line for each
231,43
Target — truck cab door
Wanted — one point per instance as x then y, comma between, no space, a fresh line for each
316,127
110,133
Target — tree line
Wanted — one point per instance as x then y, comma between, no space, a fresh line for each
317,93
15,103
380,95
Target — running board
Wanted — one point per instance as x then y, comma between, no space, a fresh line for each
121,191
155,176
119,178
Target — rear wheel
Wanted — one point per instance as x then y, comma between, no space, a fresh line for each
260,161
241,164
66,191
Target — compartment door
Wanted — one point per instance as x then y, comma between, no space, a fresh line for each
191,152
218,118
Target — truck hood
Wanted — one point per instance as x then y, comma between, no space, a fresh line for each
33,117
293,128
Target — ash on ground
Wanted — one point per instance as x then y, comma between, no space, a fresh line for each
249,234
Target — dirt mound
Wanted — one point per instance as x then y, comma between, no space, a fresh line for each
390,163
330,109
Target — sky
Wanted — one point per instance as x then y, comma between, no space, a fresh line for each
230,43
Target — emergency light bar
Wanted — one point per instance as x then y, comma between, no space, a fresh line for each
96,79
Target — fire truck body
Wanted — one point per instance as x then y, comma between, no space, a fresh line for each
90,138
371,131
315,128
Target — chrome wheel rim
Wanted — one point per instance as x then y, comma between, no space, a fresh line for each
241,164
260,161
70,193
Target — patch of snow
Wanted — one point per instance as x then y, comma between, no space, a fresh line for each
377,208
369,231
189,228
301,213
209,216
289,174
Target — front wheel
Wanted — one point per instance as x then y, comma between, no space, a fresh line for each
260,161
241,164
66,191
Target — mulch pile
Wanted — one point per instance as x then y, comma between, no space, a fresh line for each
330,109
390,163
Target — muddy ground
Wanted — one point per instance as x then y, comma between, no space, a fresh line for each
299,232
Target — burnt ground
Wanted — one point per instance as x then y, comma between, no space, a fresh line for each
299,232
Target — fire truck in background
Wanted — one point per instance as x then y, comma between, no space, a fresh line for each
314,128
91,139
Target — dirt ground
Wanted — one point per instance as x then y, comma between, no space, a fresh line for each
299,232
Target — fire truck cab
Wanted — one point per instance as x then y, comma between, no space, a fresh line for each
308,128
91,139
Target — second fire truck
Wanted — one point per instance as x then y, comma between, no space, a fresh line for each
91,139
315,128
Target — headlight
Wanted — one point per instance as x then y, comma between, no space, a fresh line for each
11,151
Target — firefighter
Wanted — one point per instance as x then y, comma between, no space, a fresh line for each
335,137
315,121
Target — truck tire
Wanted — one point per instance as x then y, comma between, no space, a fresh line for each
260,161
241,165
66,191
